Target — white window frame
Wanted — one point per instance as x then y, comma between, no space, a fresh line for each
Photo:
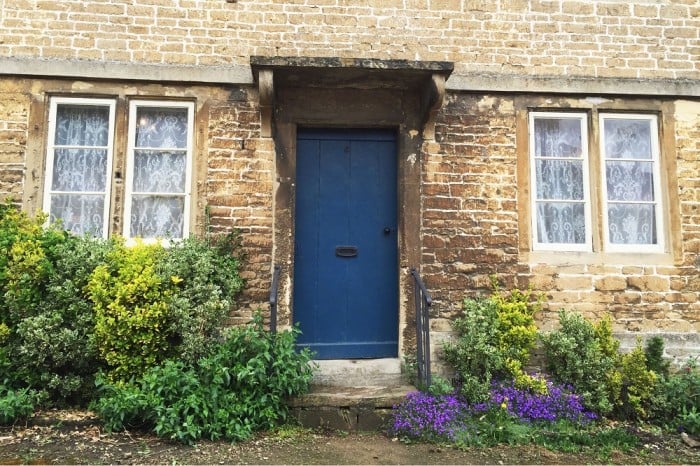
134,105
51,147
656,179
585,160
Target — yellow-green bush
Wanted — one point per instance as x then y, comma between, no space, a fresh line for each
638,382
495,338
586,355
517,334
131,304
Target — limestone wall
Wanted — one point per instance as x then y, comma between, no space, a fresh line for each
639,39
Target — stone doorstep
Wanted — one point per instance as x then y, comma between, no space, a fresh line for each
360,401
348,408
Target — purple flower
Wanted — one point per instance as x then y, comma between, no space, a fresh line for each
429,417
448,417
559,403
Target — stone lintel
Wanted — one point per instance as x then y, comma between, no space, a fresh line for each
443,67
82,69
242,75
580,85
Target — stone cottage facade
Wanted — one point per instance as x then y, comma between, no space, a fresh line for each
555,144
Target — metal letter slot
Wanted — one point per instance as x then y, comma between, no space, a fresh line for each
346,251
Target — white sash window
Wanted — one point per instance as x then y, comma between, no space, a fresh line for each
79,163
159,161
621,183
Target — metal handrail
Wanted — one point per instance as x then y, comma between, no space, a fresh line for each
273,298
423,301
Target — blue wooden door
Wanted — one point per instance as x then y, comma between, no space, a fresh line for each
345,258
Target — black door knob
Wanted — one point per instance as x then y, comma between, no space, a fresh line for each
387,230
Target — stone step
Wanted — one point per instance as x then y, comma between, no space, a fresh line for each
352,395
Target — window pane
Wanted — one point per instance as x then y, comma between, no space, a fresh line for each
157,217
627,139
559,179
558,137
80,214
629,181
161,127
160,172
79,170
631,224
561,222
82,125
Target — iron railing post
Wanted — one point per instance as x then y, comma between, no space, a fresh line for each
273,298
423,301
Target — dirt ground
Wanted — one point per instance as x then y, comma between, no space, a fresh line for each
70,437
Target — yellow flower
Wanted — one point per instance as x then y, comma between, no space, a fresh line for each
175,279
504,405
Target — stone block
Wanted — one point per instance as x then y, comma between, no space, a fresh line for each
648,283
610,283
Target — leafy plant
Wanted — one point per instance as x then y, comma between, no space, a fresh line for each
72,303
581,354
131,303
654,352
440,386
46,316
601,440
205,279
17,404
495,338
238,389
55,346
475,355
637,385
676,397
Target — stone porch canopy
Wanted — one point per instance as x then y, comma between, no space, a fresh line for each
426,78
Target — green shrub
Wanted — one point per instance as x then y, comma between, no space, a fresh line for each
238,389
131,303
676,398
55,345
689,420
654,352
72,303
47,317
495,338
207,281
23,263
16,405
153,303
637,386
580,354
475,355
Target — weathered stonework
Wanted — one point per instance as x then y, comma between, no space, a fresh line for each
14,118
463,166
540,37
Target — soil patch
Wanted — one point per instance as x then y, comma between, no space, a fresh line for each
75,437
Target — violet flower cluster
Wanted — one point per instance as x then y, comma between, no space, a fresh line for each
558,403
444,417
429,417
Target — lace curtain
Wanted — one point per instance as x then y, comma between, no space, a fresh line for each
629,177
559,182
160,173
79,172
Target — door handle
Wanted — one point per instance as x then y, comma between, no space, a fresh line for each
346,251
